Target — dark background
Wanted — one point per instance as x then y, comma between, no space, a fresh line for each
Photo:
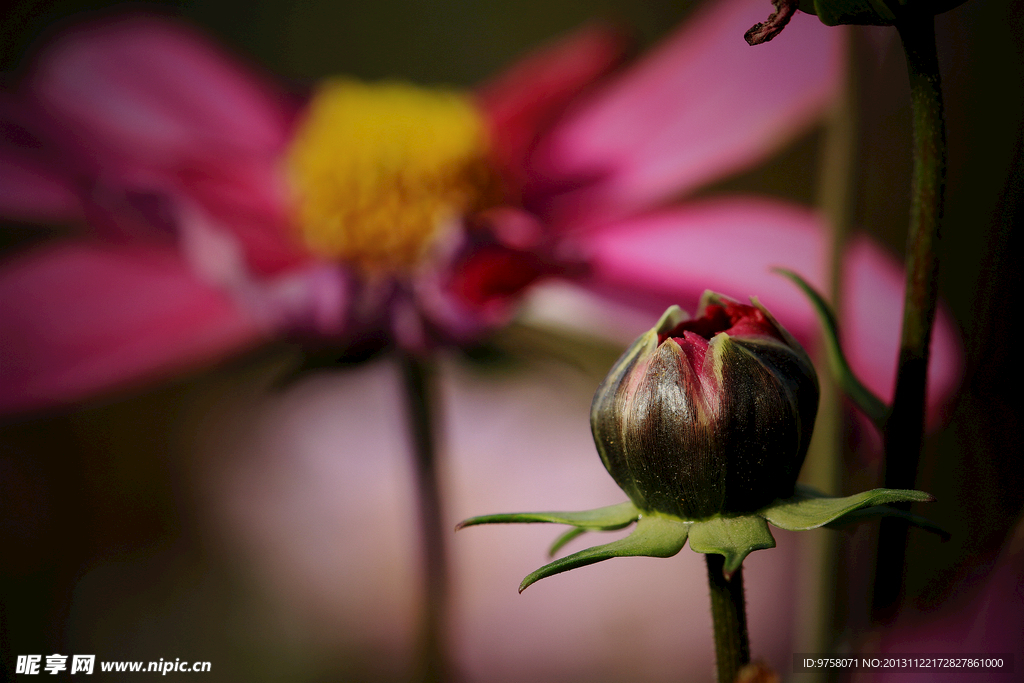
106,480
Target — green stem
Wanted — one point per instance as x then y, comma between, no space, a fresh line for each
729,615
905,427
418,375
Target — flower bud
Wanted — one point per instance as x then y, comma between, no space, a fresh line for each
707,415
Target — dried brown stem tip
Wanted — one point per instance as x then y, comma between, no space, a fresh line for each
765,31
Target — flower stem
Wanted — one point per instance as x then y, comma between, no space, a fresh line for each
418,375
729,615
905,427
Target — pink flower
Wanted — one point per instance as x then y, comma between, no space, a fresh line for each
224,212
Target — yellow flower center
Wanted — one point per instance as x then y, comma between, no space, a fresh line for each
383,172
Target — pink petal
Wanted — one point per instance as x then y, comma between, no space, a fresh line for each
730,246
495,275
32,186
154,107
76,319
702,106
155,90
251,201
530,94
28,192
872,319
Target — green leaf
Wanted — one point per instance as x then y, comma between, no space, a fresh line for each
654,536
606,518
809,509
733,537
565,538
872,406
879,511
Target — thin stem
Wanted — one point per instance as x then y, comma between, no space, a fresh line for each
417,374
905,427
729,615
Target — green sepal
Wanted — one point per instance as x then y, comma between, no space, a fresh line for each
654,536
604,519
872,406
877,511
563,539
732,537
810,509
